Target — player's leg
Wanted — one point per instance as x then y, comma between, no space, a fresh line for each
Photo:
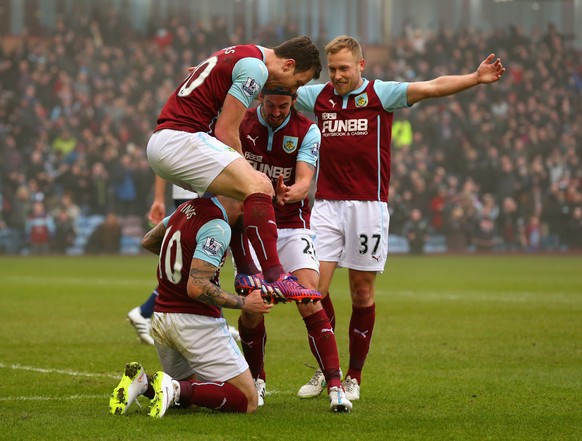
237,395
326,272
323,345
248,276
298,255
322,342
366,246
260,226
326,225
140,318
207,366
241,251
361,327
253,338
240,181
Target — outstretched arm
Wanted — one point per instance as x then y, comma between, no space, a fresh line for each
489,71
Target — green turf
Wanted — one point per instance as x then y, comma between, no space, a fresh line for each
465,348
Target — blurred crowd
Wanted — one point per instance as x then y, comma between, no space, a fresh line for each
495,168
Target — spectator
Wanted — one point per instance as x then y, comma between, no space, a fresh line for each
533,234
437,207
575,229
68,206
65,234
125,192
485,237
508,224
40,229
99,189
9,240
457,231
106,238
557,213
416,232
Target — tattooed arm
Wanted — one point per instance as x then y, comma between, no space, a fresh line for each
202,289
152,241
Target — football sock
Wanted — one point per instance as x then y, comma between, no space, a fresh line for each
147,309
261,229
241,251
223,397
253,342
323,346
360,335
328,308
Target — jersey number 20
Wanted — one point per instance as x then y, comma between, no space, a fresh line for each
197,76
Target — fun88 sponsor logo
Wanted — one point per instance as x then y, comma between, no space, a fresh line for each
345,127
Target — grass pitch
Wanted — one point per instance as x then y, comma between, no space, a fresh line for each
465,348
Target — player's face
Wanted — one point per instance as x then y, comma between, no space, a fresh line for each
287,78
345,71
275,109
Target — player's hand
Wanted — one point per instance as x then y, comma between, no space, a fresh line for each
255,303
157,213
282,192
490,71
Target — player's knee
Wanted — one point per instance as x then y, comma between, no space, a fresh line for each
260,183
252,403
307,309
362,296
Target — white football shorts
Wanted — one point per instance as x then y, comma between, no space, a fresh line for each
296,250
352,233
190,160
190,344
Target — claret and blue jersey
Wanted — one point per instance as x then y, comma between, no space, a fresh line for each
354,160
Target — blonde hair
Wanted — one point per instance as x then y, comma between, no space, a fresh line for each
344,42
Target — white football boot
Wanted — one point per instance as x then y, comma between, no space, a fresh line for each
142,325
134,382
261,390
338,401
352,388
167,394
313,387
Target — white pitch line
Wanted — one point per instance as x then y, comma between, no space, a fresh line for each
70,397
72,373
56,371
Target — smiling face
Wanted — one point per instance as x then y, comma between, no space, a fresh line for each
345,71
275,109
